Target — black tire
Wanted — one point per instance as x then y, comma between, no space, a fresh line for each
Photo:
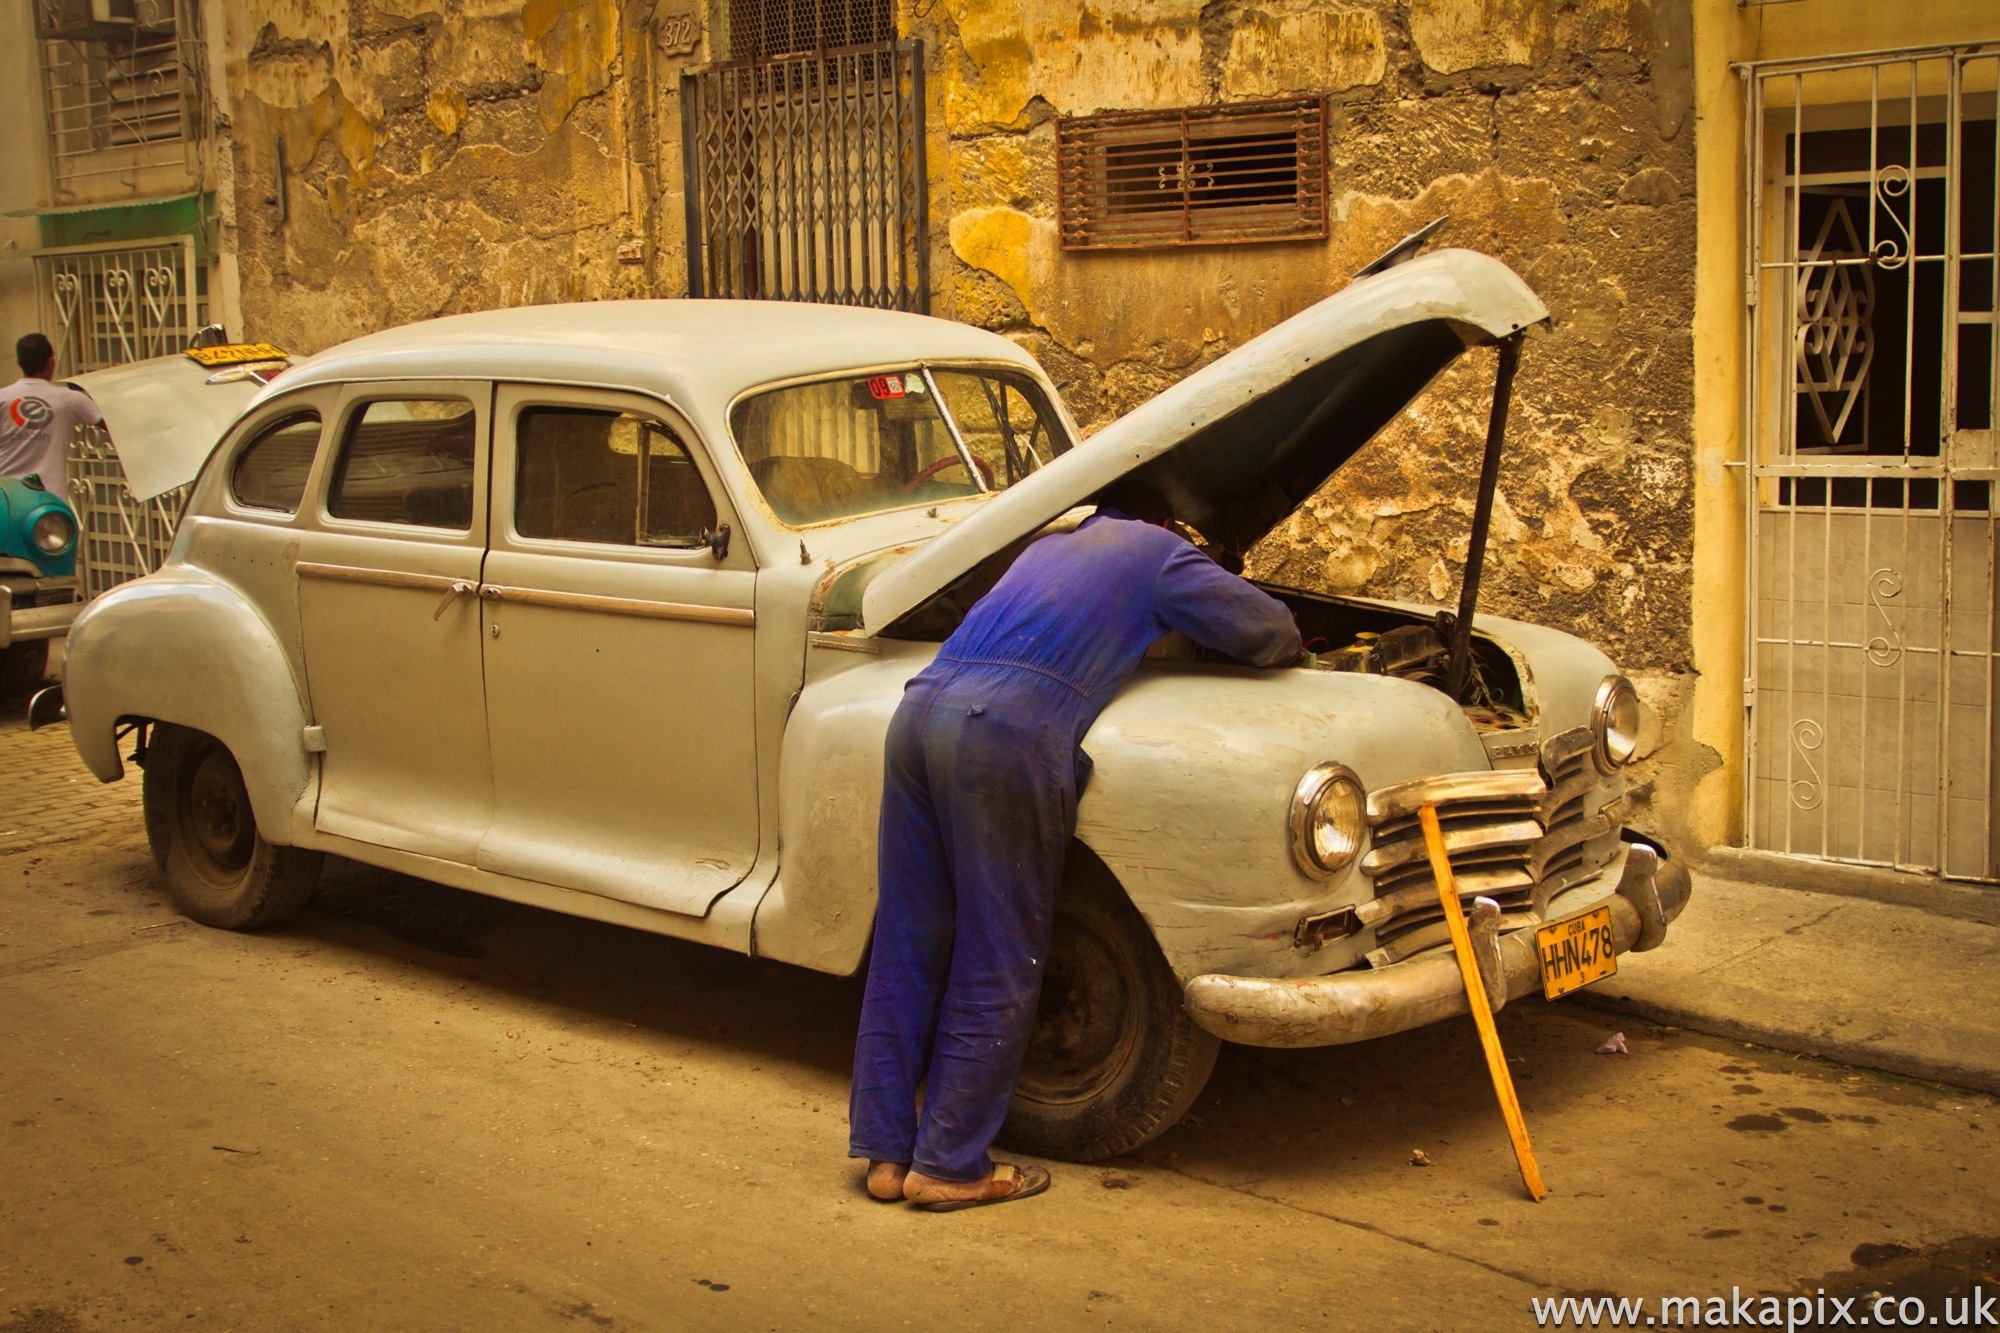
219,869
1115,1060
23,668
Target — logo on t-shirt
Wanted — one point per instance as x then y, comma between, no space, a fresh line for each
30,413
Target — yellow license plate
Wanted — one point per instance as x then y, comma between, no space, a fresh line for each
235,354
1576,951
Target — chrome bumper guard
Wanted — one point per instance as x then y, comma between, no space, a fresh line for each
33,622
1361,1004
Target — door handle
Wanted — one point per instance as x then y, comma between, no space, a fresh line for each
459,588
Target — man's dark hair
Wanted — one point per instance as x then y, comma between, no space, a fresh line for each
33,353
1136,499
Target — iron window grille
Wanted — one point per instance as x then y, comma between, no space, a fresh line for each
761,29
121,89
106,305
1211,175
806,178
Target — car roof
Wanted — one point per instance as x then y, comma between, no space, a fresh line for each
699,354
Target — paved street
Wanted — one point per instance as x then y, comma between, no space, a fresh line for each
415,1108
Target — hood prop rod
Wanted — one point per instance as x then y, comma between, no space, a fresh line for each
1460,668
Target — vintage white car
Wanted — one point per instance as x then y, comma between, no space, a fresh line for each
605,608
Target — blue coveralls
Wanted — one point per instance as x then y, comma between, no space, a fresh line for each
983,769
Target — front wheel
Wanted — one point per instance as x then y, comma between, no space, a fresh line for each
1114,1060
204,837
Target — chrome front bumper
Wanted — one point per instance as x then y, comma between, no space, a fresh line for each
1363,1003
35,622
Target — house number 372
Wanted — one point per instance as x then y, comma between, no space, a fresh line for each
679,33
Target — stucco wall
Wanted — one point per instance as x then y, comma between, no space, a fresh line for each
1559,137
443,155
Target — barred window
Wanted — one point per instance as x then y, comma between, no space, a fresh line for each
1247,171
760,29
120,87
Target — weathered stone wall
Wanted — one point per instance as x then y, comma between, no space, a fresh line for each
1555,134
442,156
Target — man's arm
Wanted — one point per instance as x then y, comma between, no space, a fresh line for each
1221,611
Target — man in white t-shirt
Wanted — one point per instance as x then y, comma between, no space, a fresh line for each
38,416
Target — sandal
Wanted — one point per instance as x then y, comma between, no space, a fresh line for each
1026,1181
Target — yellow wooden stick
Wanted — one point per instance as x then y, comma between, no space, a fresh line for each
1475,995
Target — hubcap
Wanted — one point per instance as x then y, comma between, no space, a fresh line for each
218,811
1088,1022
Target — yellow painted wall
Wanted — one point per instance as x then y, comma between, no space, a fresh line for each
1726,34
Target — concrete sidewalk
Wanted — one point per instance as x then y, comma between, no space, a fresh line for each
1890,987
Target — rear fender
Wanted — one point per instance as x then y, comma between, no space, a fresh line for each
181,646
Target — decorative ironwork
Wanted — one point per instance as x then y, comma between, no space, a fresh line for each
1807,737
107,305
1883,585
806,179
1834,344
1891,184
119,538
122,93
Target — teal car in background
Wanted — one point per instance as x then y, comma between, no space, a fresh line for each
39,594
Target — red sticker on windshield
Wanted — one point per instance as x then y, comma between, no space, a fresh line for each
886,386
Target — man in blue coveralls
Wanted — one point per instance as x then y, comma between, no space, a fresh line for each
983,769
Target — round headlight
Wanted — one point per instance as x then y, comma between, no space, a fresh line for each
1614,723
53,532
1329,819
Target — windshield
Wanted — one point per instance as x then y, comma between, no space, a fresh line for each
866,443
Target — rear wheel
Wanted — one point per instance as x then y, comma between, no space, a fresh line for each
22,667
1114,1060
204,836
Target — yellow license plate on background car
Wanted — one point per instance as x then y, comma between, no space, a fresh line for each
1576,951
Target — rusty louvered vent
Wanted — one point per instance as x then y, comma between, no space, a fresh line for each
760,29
1210,175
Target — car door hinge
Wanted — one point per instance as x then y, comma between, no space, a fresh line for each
315,738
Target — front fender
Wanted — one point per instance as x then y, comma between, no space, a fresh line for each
182,646
1194,772
1189,805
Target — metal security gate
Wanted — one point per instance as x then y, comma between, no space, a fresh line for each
806,178
1871,284
105,305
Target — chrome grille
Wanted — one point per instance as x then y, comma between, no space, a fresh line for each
1516,836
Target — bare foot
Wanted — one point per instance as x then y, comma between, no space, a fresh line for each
885,1180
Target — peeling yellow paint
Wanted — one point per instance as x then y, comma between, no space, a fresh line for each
998,241
1077,55
446,109
576,44
1304,47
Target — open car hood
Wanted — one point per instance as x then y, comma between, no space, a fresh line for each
1243,441
165,418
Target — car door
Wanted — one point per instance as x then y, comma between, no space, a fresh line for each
619,655
389,619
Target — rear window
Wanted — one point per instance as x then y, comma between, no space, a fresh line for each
271,471
866,443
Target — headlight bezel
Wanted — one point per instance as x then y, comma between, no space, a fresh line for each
35,524
1615,741
1322,783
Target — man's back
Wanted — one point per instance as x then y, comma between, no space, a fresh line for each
37,419
1084,606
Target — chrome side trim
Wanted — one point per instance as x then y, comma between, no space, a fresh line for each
619,606
375,578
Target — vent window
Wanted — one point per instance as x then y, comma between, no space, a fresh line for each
1248,171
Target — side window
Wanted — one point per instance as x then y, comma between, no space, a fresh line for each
586,475
407,461
271,471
